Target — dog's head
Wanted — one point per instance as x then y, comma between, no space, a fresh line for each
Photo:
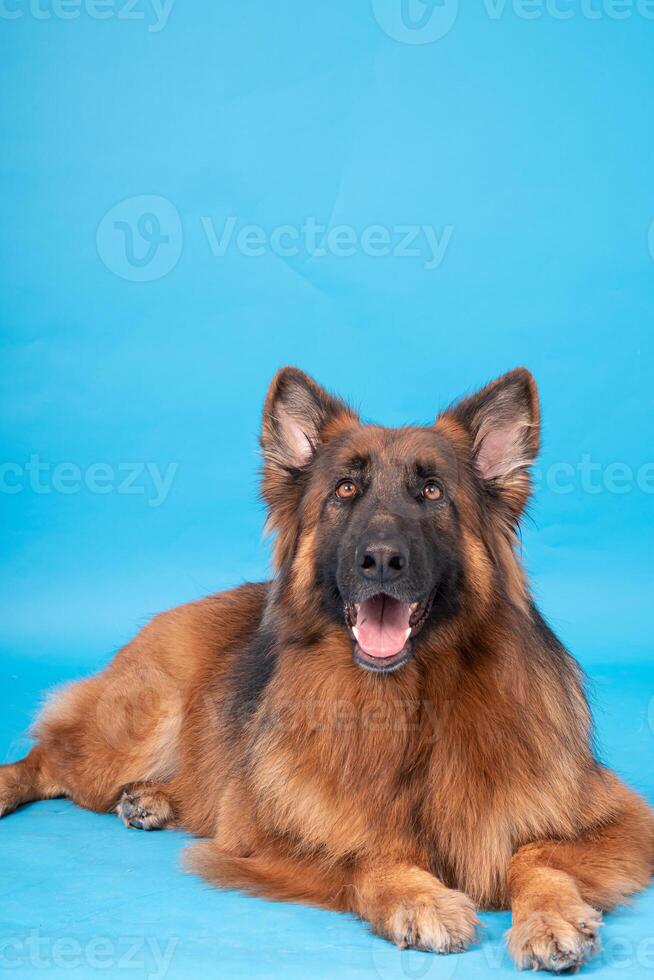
394,533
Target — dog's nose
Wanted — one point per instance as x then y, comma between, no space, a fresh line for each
382,561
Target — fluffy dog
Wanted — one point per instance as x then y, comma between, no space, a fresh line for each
388,727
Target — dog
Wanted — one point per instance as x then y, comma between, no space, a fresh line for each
388,727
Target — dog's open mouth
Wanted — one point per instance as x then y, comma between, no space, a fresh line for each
383,628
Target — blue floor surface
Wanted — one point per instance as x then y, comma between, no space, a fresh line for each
82,896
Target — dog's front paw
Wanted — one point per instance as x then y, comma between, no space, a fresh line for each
443,922
555,940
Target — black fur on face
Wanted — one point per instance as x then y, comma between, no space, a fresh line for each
404,503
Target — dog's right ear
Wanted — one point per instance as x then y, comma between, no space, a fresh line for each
297,417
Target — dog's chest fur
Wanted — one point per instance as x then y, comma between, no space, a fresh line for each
429,772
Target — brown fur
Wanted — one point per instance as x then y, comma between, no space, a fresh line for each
465,779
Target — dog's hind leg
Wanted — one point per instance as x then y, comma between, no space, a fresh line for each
25,781
99,735
146,806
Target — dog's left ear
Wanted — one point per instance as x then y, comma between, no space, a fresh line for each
503,421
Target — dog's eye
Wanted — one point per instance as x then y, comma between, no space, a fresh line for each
346,489
431,490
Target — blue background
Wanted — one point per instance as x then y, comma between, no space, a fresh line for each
532,141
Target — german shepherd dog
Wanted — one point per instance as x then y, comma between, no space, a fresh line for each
388,727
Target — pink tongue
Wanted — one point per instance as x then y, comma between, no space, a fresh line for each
381,626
